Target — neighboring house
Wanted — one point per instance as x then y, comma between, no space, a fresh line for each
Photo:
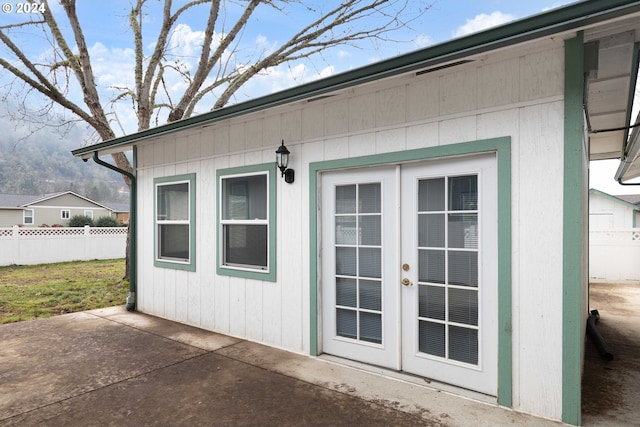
612,212
437,220
49,209
120,211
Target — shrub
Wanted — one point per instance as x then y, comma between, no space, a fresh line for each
80,221
106,221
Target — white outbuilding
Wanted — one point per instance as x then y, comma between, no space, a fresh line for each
434,222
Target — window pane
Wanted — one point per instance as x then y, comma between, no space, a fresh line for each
370,262
370,200
346,199
463,306
173,202
463,231
371,327
463,344
431,302
346,323
245,197
371,295
431,266
245,245
346,230
463,193
431,338
173,241
431,195
431,230
346,261
463,268
370,230
346,292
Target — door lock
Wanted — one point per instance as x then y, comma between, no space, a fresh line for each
405,267
406,282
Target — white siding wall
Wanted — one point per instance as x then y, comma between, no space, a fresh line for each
607,213
517,94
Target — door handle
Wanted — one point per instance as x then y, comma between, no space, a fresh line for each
406,282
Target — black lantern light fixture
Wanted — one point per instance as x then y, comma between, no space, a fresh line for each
282,160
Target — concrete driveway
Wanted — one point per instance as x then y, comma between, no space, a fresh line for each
112,367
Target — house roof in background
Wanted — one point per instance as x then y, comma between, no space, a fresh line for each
15,200
20,201
626,200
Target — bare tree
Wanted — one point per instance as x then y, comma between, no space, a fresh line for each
64,76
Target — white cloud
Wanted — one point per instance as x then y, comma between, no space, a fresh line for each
422,40
482,22
343,54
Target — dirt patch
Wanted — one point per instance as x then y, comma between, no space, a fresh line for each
609,388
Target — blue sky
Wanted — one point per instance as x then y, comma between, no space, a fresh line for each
109,38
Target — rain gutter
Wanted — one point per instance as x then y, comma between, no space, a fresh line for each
133,264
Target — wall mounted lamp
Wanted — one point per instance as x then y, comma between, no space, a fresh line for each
282,160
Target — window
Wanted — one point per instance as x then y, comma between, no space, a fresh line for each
88,214
65,214
175,222
28,216
246,217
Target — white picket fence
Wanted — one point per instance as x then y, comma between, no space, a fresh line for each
27,245
614,255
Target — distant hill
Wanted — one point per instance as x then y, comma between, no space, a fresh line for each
42,163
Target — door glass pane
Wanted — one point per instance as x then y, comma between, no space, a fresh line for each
463,344
358,223
431,230
370,200
346,261
463,193
448,219
346,292
431,266
463,268
431,302
346,199
463,231
431,195
371,294
370,262
346,323
463,306
346,230
431,339
371,327
370,230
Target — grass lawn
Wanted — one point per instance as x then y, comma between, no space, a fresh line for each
37,291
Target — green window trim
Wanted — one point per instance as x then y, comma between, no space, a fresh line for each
269,275
171,264
502,148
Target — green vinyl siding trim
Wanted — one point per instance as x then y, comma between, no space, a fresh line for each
573,232
176,265
502,148
272,178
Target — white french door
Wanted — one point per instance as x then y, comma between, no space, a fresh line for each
409,268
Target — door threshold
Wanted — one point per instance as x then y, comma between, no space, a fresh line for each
413,379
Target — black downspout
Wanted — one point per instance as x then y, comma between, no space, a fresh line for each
133,269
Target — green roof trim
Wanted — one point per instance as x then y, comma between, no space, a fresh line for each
558,20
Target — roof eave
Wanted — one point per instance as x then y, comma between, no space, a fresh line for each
560,20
